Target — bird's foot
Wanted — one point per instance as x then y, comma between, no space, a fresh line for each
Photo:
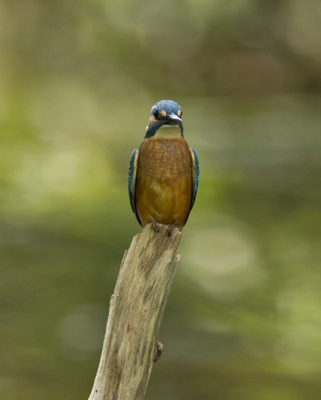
170,228
155,225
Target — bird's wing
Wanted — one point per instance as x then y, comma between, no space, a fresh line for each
195,175
132,172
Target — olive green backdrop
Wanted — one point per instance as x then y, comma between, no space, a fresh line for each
77,81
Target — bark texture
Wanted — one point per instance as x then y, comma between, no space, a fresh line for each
136,308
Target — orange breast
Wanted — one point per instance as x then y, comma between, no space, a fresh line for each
164,181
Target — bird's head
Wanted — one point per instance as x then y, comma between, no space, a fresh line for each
164,112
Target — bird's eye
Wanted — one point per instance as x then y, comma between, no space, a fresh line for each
155,112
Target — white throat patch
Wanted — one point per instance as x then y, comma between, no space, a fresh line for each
168,131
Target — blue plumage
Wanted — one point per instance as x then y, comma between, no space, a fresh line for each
196,176
132,170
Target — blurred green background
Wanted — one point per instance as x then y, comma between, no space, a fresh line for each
77,81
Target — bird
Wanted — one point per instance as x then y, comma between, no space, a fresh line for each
163,172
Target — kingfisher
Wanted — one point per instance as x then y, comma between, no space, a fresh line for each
163,172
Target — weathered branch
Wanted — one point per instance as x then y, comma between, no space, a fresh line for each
135,314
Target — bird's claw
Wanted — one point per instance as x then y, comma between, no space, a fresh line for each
155,225
170,228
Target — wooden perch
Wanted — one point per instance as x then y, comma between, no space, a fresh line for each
136,308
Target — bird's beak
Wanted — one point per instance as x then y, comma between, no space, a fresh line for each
173,117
